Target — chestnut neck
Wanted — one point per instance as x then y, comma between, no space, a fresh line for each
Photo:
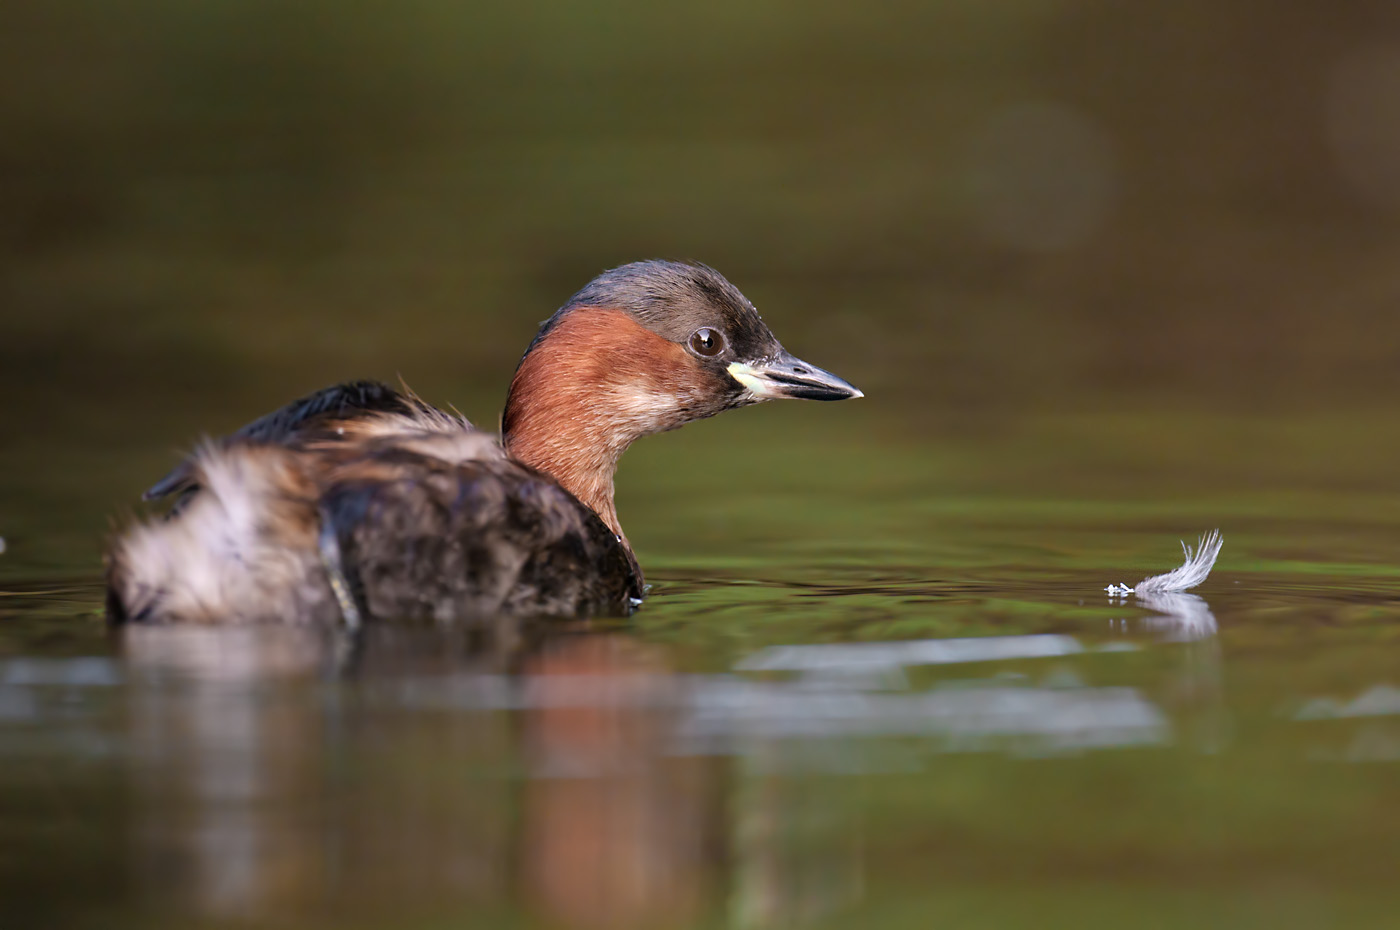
596,382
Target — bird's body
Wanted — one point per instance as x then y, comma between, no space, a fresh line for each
360,502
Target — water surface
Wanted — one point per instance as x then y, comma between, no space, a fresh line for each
885,691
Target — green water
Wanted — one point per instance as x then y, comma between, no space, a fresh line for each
1110,275
1230,766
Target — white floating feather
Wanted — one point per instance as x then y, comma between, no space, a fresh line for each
1192,572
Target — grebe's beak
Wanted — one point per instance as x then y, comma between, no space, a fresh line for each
785,376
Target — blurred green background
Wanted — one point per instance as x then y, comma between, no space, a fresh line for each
1143,247
970,209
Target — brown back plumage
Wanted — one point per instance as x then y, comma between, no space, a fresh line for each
361,501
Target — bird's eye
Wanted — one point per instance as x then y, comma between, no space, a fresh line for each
707,342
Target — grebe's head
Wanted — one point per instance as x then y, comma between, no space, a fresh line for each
644,348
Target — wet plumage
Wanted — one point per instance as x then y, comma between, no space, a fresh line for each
362,503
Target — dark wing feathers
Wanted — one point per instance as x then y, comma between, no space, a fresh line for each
299,418
475,539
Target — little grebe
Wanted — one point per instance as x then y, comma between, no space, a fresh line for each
360,501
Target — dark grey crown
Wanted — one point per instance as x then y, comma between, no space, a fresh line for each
673,300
